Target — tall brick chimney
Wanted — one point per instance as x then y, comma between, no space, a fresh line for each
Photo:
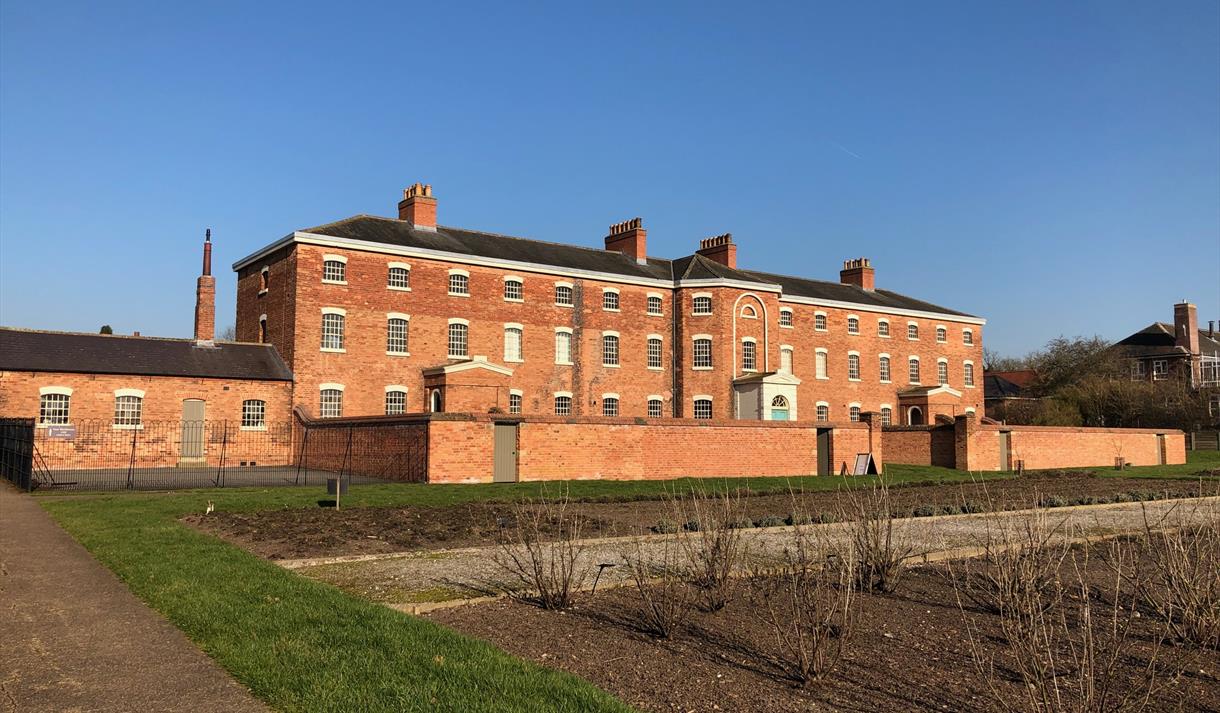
1186,326
630,238
719,248
205,296
858,272
418,207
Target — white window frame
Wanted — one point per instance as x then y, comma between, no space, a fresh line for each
520,329
458,273
618,299
858,366
753,311
1139,370
919,368
1160,369
817,411
942,362
618,349
520,282
322,388
821,357
819,315
555,402
617,405
968,374
568,331
519,395
694,354
395,389
694,300
791,352
912,323
334,258
449,338
339,311
754,346
886,421
856,331
55,391
968,336
648,304
790,315
888,331
398,266
660,352
137,394
571,295
261,423
886,376
942,328
655,398
854,406
406,340
711,406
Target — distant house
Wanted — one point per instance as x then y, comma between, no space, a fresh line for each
1002,388
1181,350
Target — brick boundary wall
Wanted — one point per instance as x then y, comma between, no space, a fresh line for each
459,447
977,446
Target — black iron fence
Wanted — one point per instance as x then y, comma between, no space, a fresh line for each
379,448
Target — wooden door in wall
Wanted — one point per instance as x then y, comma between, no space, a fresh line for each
824,451
504,457
1005,450
193,414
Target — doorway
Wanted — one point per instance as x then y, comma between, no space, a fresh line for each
779,409
435,403
504,457
914,416
1006,451
824,451
193,414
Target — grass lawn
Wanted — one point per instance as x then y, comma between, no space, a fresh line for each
305,646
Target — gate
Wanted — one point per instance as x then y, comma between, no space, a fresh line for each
17,451
504,462
1006,451
824,451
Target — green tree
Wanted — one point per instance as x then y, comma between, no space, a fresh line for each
105,329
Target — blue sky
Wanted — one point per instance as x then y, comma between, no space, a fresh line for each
1053,167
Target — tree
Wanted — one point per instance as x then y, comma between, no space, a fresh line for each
229,333
992,361
105,329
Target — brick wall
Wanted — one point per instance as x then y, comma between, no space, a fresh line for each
99,444
969,445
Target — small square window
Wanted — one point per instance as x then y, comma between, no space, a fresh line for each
942,335
883,329
853,325
253,413
702,305
703,408
334,271
459,284
514,291
610,406
399,279
563,295
514,403
654,305
912,331
785,318
563,405
819,322
395,403
654,408
610,301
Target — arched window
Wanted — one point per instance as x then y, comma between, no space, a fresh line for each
262,329
785,360
854,412
942,335
853,367
334,269
512,343
913,370
785,317
883,328
702,305
823,412
967,336
434,404
610,406
749,312
912,330
399,278
749,356
396,335
853,325
254,414
942,371
654,408
968,373
128,408
703,408
883,369
914,416
654,305
609,350
819,321
610,300
331,403
563,346
264,279
333,324
563,295
514,290
395,402
779,402
819,363
514,402
702,353
459,283
459,346
654,352
887,416
563,405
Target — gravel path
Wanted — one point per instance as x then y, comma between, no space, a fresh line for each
419,581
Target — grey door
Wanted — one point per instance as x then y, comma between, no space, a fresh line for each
1005,450
824,451
192,429
504,461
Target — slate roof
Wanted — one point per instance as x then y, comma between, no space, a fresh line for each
996,386
35,350
1157,339
692,267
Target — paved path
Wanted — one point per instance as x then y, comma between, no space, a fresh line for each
418,580
74,638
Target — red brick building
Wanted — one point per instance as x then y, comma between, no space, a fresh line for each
385,316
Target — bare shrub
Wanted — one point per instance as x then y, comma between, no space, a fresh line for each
880,553
1069,645
543,552
715,549
808,601
1178,573
661,581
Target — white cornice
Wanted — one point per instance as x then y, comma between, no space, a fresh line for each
880,309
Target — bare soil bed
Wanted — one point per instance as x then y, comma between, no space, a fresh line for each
322,532
909,653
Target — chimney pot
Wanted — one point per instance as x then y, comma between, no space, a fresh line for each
858,272
418,206
630,238
719,248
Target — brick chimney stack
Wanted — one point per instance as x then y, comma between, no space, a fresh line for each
719,248
205,296
858,272
418,207
1186,326
630,238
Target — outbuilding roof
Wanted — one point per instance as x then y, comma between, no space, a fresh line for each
473,243
77,353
